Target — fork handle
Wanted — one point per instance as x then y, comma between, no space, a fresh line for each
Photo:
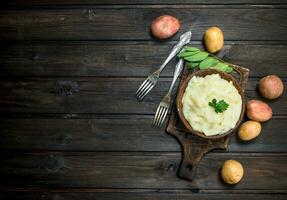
175,50
177,71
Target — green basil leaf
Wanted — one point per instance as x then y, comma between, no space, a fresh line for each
197,57
192,65
187,48
229,69
208,62
221,66
184,54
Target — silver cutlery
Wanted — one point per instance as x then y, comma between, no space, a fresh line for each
164,105
152,79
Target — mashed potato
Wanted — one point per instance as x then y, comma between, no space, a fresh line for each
202,117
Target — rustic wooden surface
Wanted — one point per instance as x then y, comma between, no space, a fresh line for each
70,126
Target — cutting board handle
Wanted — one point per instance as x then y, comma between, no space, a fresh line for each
190,161
194,148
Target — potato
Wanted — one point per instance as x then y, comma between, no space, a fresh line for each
232,171
165,26
249,130
258,111
271,87
213,39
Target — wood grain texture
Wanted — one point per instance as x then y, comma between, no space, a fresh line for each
70,126
126,58
133,195
118,133
94,95
134,24
141,2
137,170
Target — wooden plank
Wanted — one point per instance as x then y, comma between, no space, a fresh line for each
137,170
142,2
125,58
179,195
118,133
134,24
90,95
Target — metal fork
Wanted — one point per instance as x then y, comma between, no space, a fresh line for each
164,105
152,79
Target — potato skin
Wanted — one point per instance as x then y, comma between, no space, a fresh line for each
258,111
249,130
271,87
213,39
165,26
232,171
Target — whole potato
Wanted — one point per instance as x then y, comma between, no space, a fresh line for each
249,130
258,111
213,39
232,171
165,26
271,87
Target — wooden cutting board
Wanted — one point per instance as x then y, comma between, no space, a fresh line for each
194,147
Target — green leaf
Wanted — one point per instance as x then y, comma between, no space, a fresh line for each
213,103
184,54
222,106
218,107
187,48
197,57
192,65
229,69
221,66
208,62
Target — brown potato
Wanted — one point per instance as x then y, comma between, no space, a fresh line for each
165,26
232,171
213,39
249,130
258,111
271,87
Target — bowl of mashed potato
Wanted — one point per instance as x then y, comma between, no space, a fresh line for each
210,103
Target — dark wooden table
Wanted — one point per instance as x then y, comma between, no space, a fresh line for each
70,126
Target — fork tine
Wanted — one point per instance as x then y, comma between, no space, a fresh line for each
146,92
161,116
158,111
143,84
155,116
147,85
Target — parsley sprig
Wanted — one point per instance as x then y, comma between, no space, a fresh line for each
219,106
